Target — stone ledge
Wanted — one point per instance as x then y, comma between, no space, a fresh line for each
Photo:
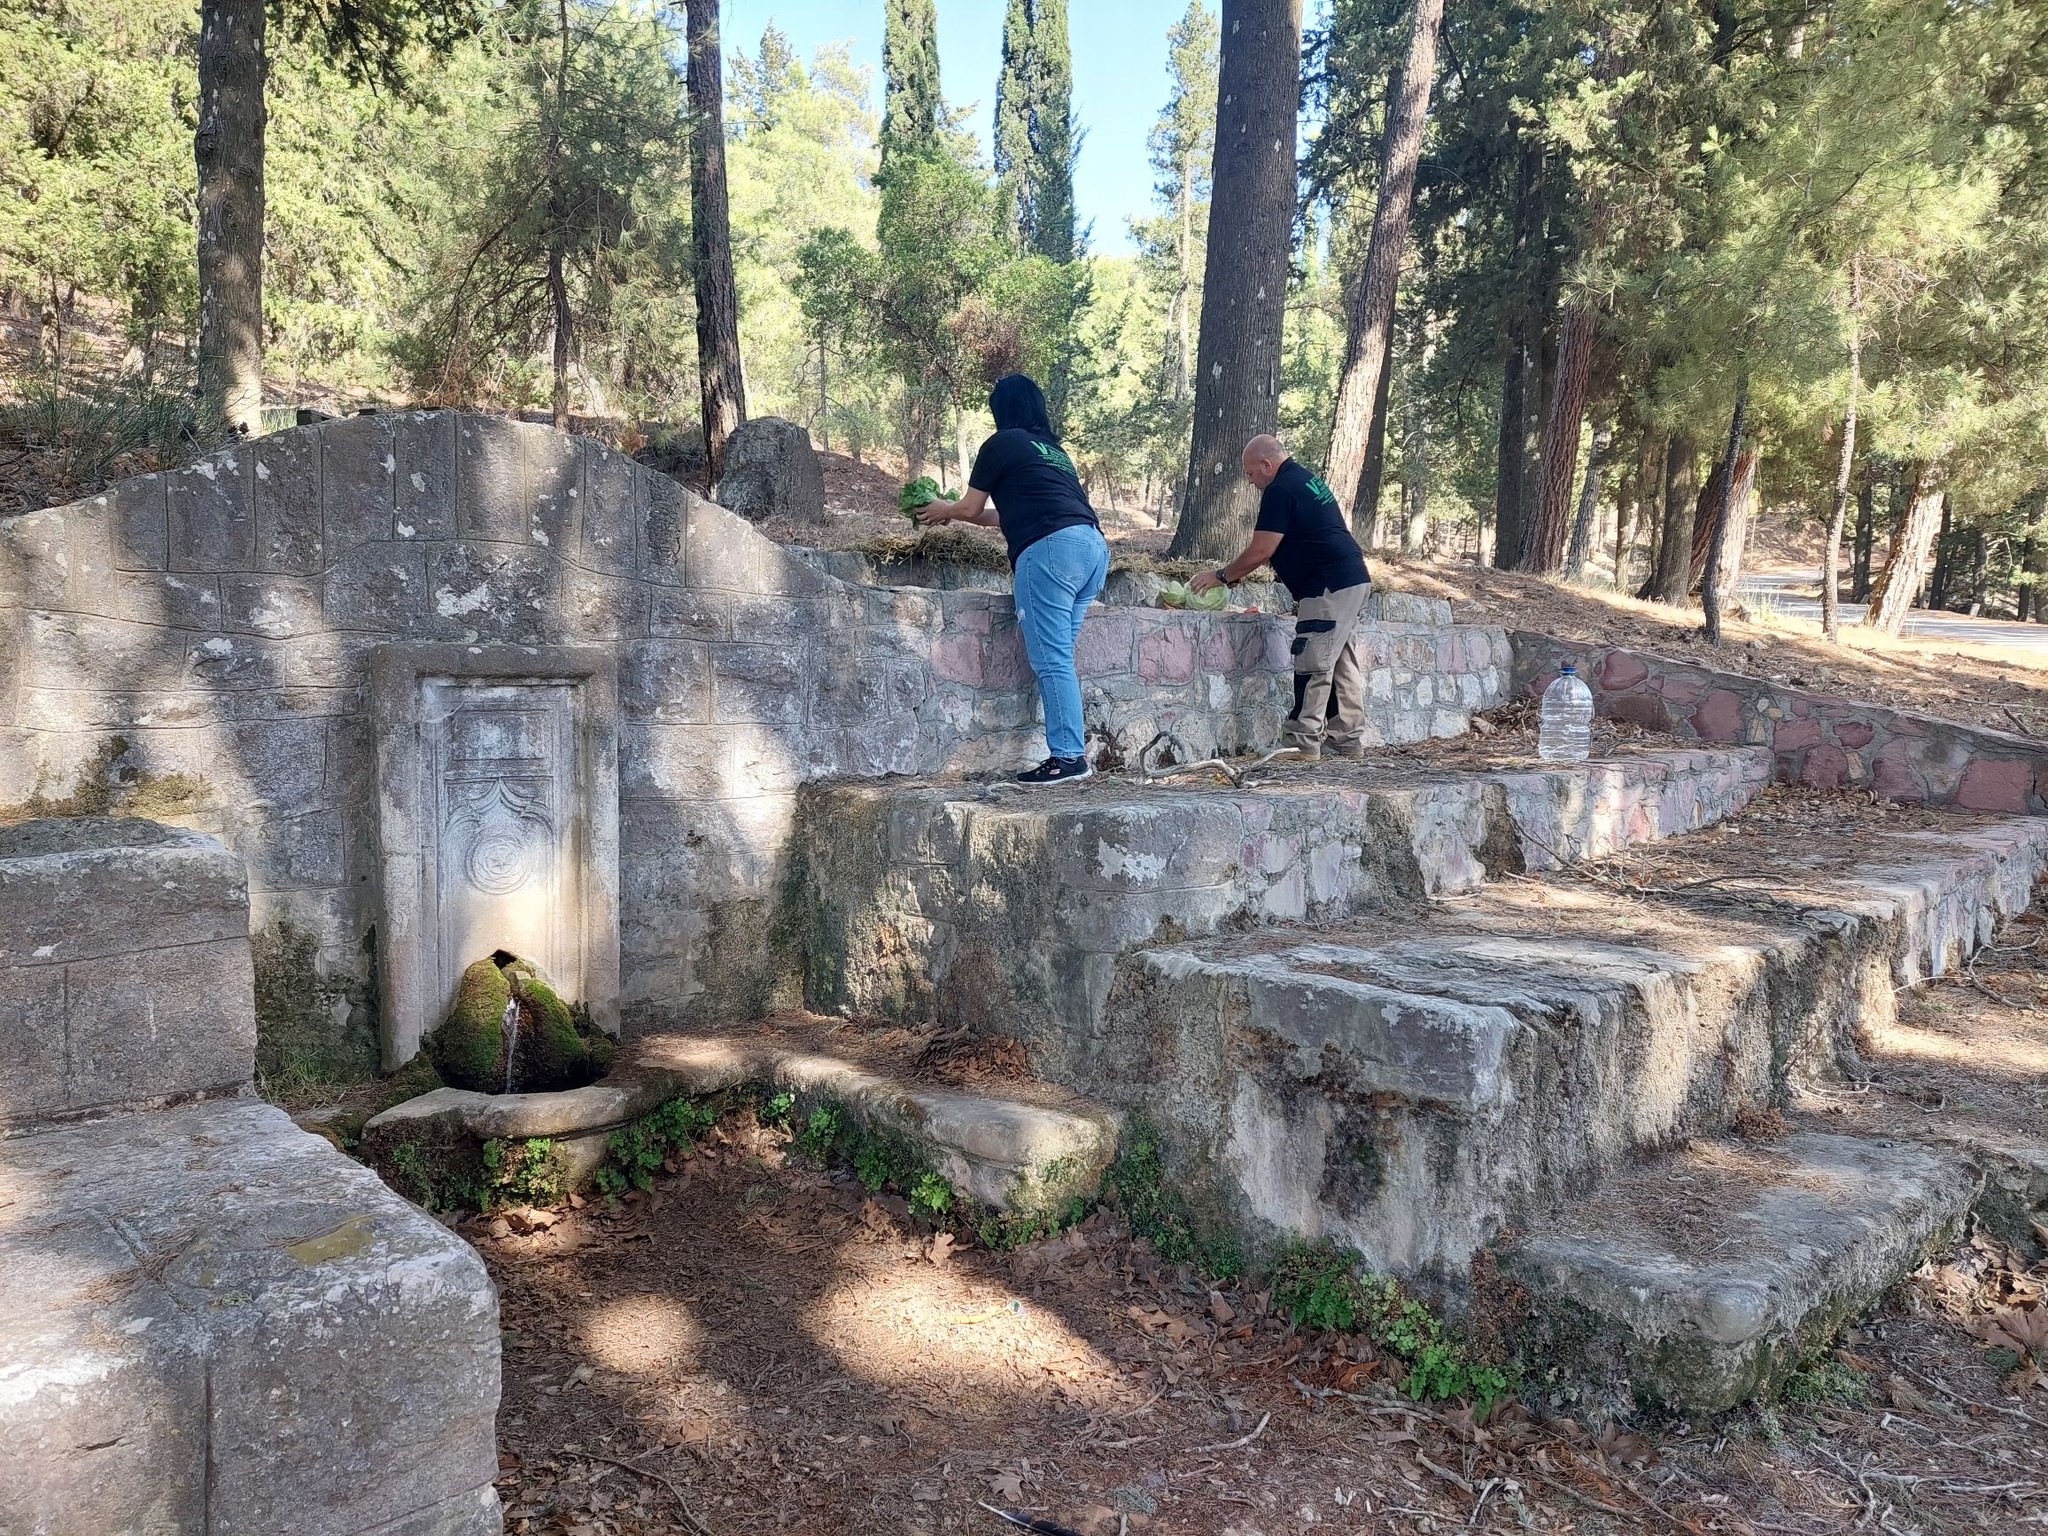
1010,917
1701,1281
1007,1153
253,1331
1414,1086
1817,739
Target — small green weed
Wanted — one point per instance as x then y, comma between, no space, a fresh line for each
1320,1287
437,1177
1824,1379
1137,1184
637,1151
879,1159
777,1108
1003,1233
525,1172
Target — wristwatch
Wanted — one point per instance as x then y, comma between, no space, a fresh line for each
1220,577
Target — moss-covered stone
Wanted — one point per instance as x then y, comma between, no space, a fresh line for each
548,1049
315,1032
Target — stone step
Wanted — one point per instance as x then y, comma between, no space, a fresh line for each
1009,915
1415,1086
1699,1281
1024,1149
125,975
213,1321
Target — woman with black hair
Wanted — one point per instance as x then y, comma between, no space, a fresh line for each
1056,550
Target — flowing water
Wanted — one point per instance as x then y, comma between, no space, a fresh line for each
510,1024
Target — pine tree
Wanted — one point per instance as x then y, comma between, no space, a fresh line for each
1014,161
912,108
722,384
1244,300
1183,143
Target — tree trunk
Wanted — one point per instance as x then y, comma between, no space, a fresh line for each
1646,507
720,381
824,396
1905,564
1845,465
1244,296
1184,294
1944,559
1589,502
1560,457
1724,507
1866,537
1365,511
229,150
558,295
1369,334
1672,578
1507,496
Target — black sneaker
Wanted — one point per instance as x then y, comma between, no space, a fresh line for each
1057,770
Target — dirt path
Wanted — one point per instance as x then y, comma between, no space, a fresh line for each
759,1347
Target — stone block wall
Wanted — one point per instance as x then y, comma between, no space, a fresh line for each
1816,738
124,969
218,623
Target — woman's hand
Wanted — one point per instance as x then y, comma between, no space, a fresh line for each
932,513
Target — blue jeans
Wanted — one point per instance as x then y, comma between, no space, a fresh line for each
1057,578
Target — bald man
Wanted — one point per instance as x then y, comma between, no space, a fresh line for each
1301,532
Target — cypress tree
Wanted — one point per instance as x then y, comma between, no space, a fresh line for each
1051,178
910,67
1014,164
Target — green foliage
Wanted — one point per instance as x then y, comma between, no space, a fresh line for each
921,492
913,110
881,1160
1137,1184
776,1108
83,432
1825,1379
635,1153
524,1172
303,1050
1320,1287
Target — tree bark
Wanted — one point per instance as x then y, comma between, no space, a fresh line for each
1370,331
1589,502
1845,465
1560,456
1365,510
1944,559
1866,537
228,148
1244,296
1724,506
1646,507
1905,565
721,383
558,296
1507,495
1672,578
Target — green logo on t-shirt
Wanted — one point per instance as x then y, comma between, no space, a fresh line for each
1053,455
1321,491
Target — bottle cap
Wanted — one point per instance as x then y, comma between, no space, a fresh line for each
1568,669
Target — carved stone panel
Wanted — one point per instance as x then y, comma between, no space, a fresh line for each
498,818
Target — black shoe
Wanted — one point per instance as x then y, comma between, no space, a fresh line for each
1057,770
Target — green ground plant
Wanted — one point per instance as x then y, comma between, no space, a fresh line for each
635,1153
523,1172
881,1160
1138,1186
1321,1286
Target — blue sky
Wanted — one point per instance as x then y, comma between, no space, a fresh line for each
1120,80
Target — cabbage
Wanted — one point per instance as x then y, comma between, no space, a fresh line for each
1175,594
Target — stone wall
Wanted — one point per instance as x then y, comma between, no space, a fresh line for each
1816,738
219,622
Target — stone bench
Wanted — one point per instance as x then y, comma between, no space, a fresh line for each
210,1320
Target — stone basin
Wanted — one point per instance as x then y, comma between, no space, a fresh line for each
1016,1153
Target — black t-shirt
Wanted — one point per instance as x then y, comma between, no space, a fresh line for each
1034,486
1317,553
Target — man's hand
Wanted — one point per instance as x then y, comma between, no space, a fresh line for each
1204,582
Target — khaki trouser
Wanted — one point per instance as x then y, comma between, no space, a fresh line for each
1329,671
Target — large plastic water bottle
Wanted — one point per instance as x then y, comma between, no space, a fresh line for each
1566,732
